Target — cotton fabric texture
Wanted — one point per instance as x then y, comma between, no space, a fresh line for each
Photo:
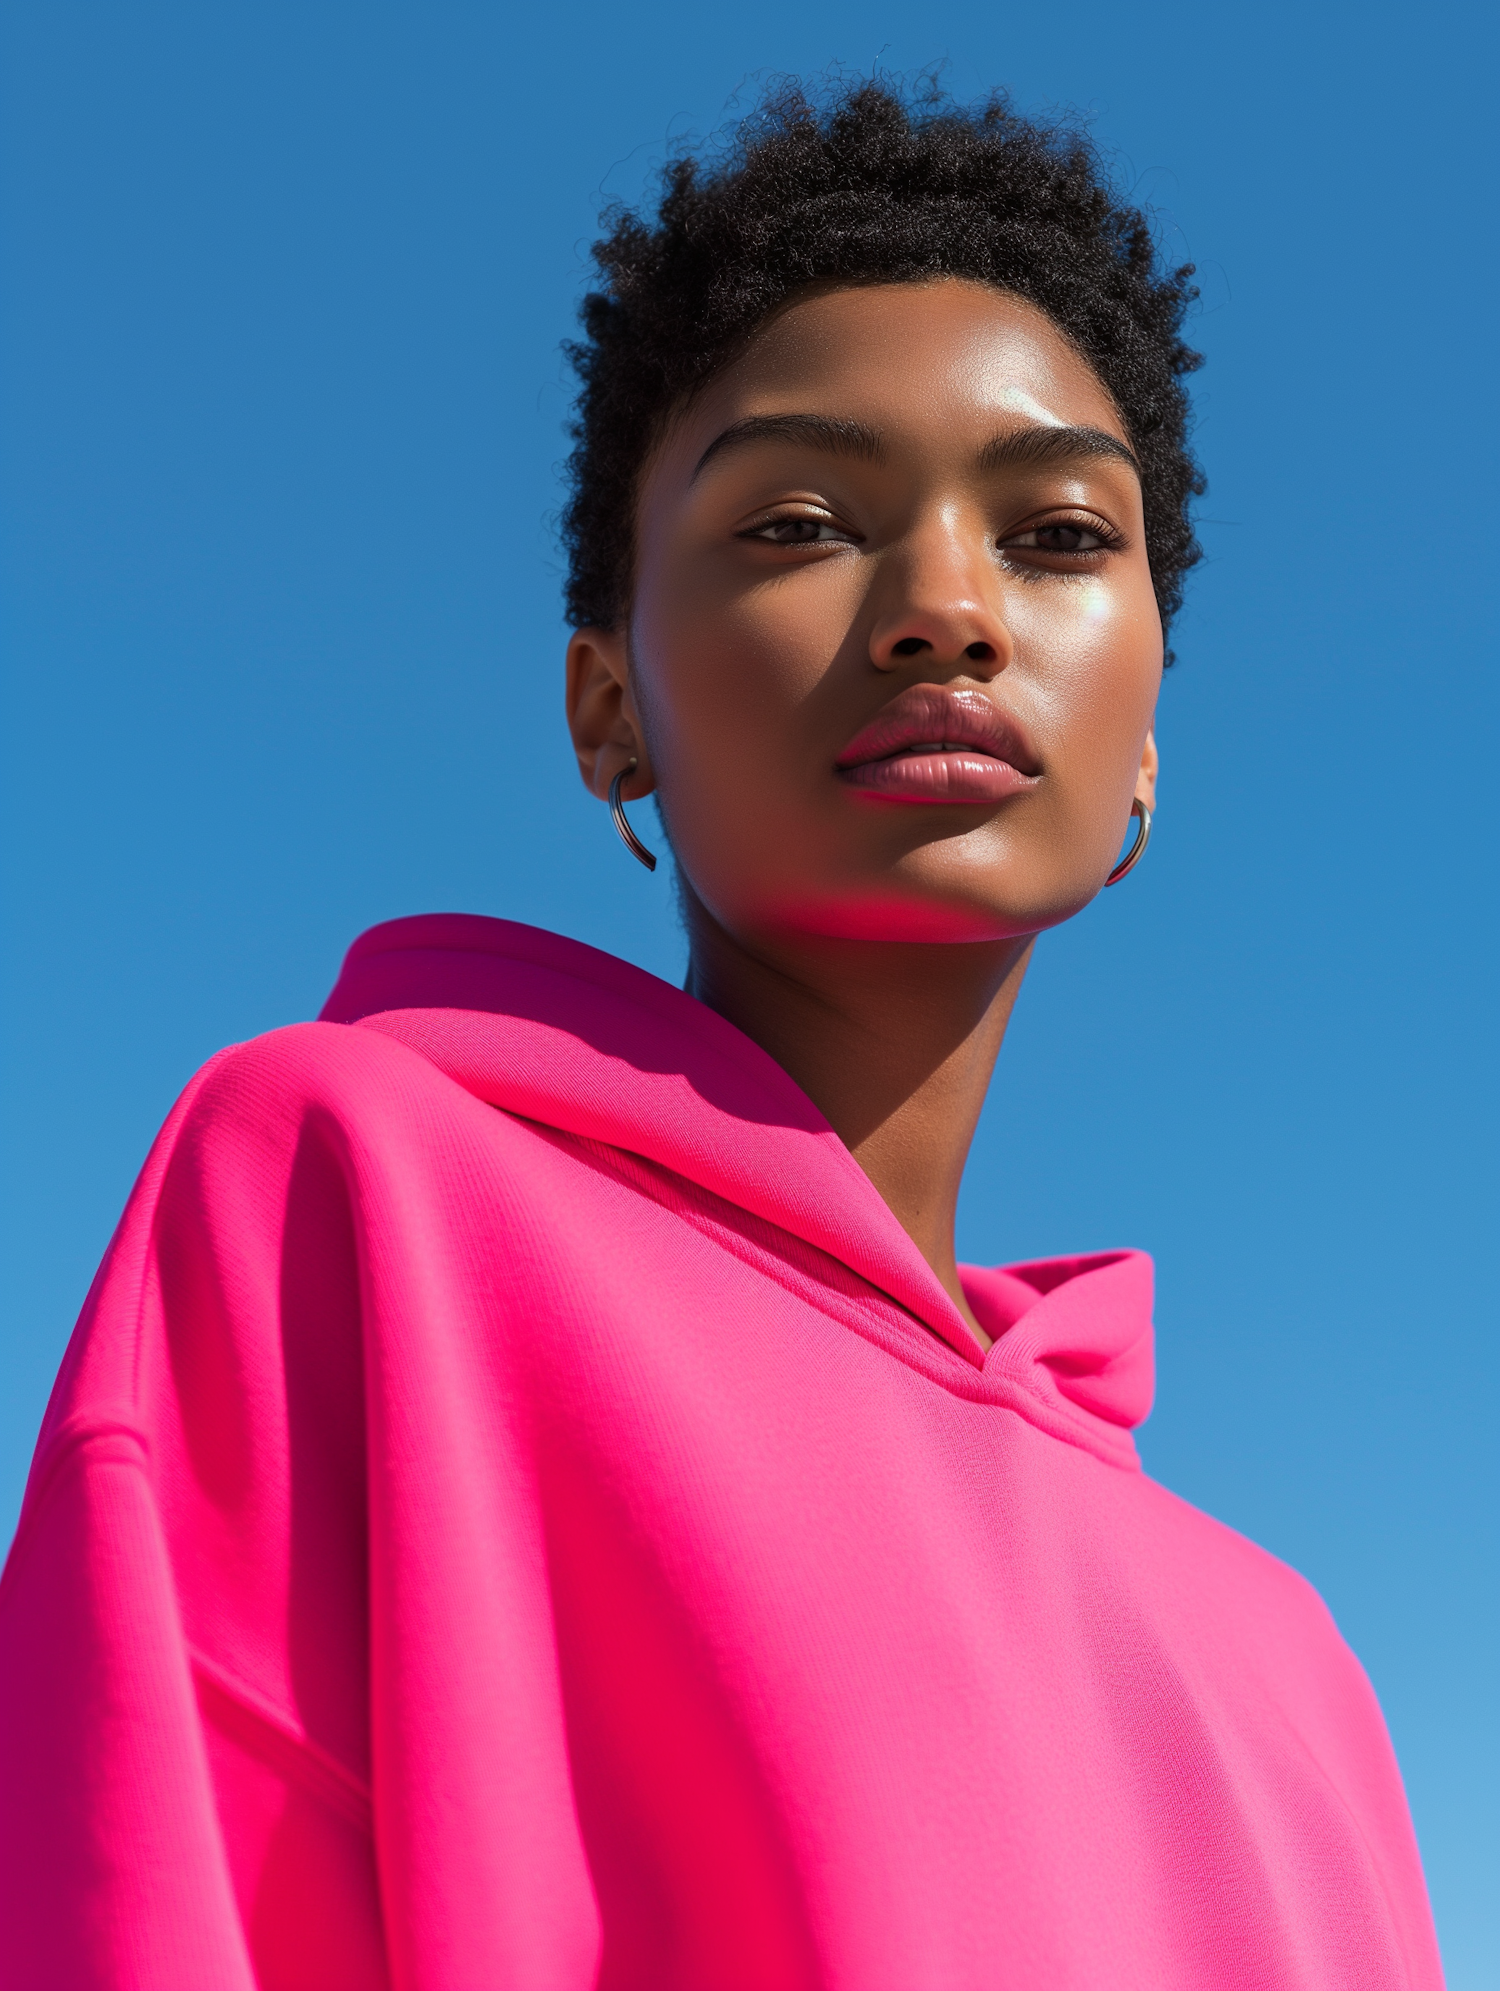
518,1511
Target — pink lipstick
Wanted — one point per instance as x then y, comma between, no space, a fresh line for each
936,743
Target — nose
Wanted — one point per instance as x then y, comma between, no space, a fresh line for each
941,603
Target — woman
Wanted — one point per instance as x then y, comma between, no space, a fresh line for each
533,1499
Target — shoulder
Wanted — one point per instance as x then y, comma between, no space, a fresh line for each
1221,1552
287,1164
351,1085
289,1125
333,1125
338,1065
1222,1578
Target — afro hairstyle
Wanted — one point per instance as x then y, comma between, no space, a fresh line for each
874,187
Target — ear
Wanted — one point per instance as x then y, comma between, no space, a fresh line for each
602,715
1145,781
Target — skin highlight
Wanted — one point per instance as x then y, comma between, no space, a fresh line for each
906,515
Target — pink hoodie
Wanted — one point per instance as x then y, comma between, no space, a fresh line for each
580,1544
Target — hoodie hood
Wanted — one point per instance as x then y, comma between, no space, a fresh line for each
560,1033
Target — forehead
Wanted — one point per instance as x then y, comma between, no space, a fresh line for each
940,359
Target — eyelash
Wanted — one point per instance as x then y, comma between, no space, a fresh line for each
1093,528
1109,540
765,527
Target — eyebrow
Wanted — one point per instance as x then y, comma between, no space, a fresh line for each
1036,447
832,434
1039,446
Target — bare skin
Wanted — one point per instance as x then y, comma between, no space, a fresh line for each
891,665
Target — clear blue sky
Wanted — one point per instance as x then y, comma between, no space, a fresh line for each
284,408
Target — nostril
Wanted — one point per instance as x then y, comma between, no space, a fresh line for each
981,653
910,646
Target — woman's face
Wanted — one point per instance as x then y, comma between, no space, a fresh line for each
893,652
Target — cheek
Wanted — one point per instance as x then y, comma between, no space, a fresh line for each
1090,655
743,695
1093,623
1095,605
731,675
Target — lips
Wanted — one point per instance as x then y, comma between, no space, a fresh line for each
936,743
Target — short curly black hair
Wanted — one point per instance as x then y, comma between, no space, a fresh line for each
875,187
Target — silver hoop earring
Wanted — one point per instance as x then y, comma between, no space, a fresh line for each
627,835
1137,850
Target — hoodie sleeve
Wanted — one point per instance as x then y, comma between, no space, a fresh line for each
167,1821
112,1863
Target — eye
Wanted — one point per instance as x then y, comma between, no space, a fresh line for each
798,529
1066,536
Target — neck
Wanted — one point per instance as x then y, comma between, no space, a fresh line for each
893,1043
